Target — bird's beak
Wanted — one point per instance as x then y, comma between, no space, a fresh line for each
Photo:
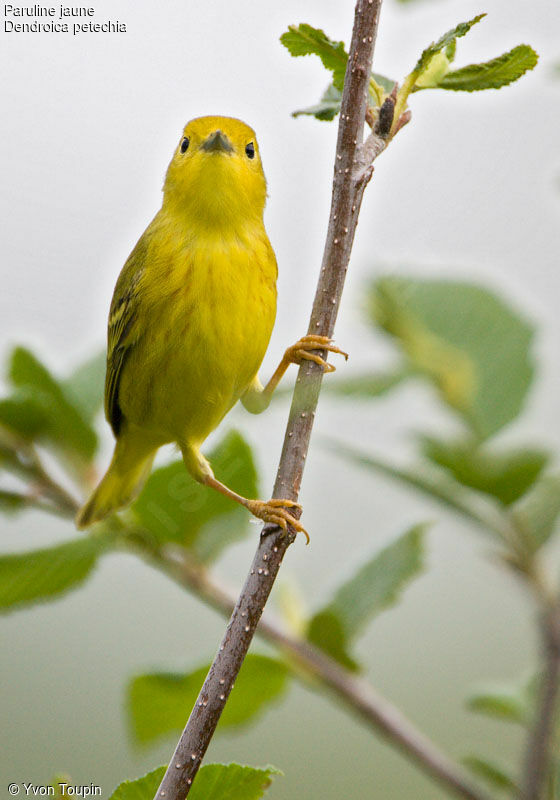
217,142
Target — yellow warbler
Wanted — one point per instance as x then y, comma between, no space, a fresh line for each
191,318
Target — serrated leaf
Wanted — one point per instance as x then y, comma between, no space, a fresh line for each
494,775
173,507
213,782
494,74
468,342
304,40
85,386
159,703
433,74
327,108
536,514
505,475
374,587
40,407
444,42
42,575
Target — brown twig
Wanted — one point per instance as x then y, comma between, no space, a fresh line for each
353,691
353,169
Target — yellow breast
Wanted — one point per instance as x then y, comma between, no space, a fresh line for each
211,303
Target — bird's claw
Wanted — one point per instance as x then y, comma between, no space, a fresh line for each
303,350
275,512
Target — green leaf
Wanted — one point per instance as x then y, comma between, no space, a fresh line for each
507,703
20,414
143,788
369,385
12,502
213,782
173,507
41,575
86,384
386,83
445,41
232,782
505,475
536,514
495,776
160,703
40,407
326,631
494,74
304,40
326,109
375,586
468,342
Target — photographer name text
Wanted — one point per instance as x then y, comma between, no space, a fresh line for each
63,790
57,19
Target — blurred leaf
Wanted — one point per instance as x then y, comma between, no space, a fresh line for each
327,108
304,40
374,587
12,502
468,342
494,74
386,83
372,385
536,514
508,703
173,506
160,703
504,475
40,407
86,385
494,775
448,39
41,575
21,414
326,631
213,782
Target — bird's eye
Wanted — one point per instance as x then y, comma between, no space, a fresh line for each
184,145
250,150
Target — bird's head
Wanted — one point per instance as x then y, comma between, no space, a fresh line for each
215,175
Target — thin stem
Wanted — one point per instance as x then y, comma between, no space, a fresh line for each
539,745
354,692
352,172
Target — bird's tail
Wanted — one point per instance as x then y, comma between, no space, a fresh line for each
123,481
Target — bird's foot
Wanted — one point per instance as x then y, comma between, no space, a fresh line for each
276,512
304,350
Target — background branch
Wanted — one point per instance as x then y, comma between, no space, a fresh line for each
350,178
539,744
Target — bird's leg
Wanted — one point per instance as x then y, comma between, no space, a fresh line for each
273,511
257,398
